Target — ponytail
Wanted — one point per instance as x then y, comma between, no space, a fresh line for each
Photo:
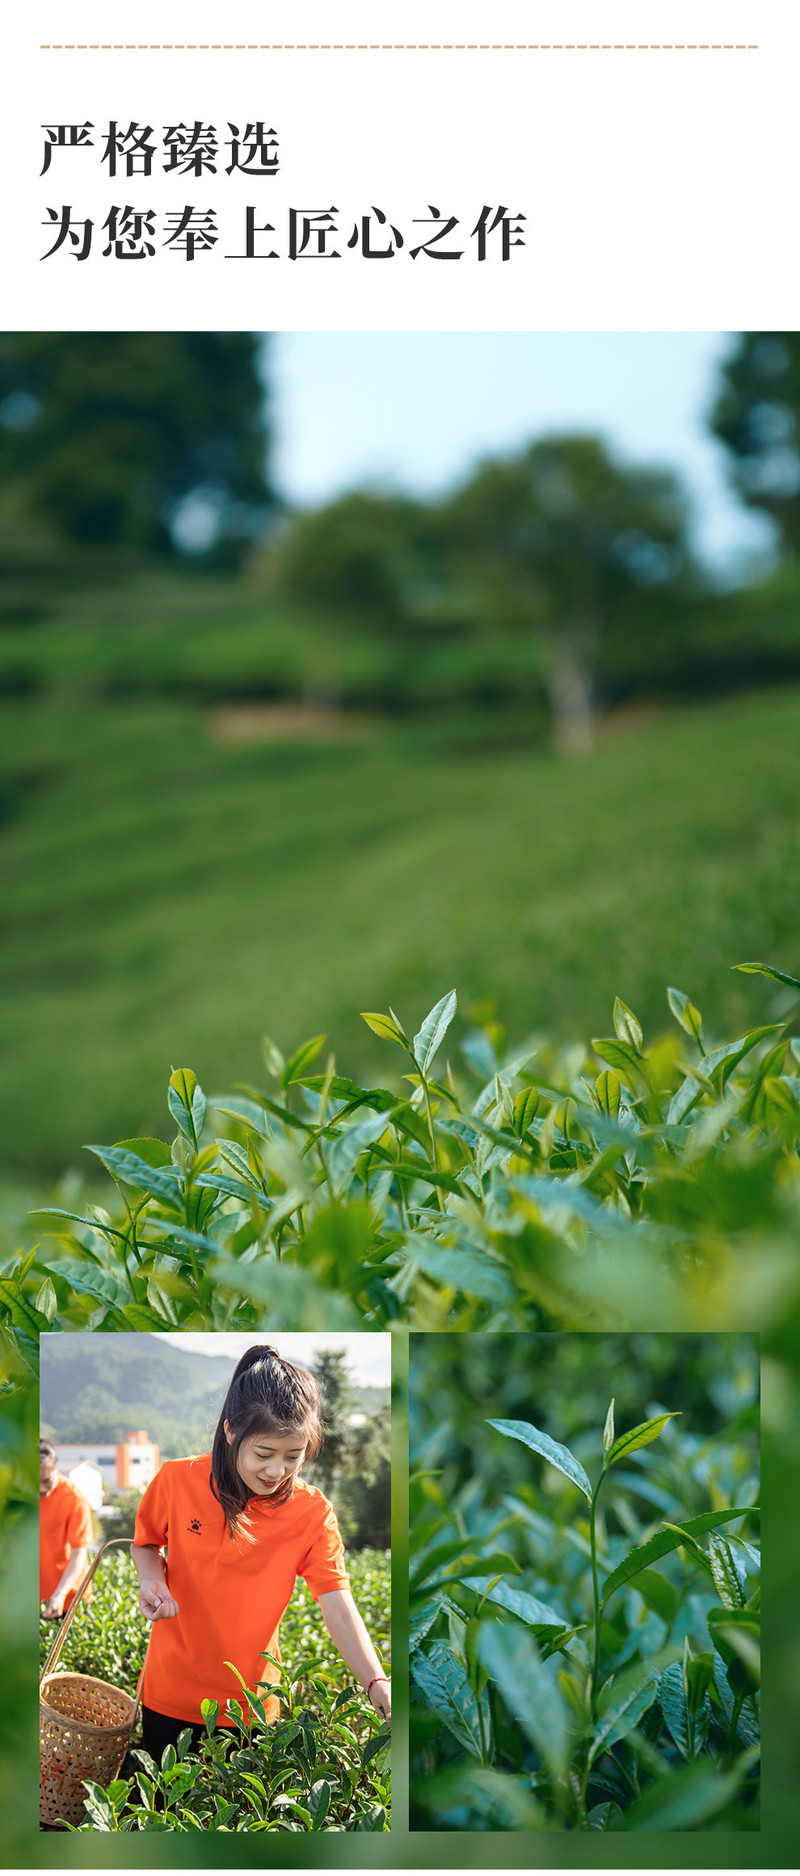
270,1395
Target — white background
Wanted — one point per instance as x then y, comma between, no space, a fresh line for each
658,185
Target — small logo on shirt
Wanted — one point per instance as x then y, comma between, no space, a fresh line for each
194,1526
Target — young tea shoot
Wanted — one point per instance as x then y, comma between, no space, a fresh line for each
613,1684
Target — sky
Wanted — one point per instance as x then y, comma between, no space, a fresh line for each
368,1355
415,411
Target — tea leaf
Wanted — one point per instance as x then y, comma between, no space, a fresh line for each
431,1035
130,1169
386,1027
621,1056
347,1149
629,1698
496,1565
768,970
46,1301
673,1706
748,1729
687,1014
538,1615
373,1819
526,1107
24,1314
556,1455
301,1060
373,1746
608,1433
667,1540
609,1094
57,1211
728,1057
638,1436
627,1026
187,1103
728,1582
153,1152
85,1277
658,1593
435,1559
462,1270
445,1687
529,1689
736,1635
341,1088
319,1803
506,1793
687,1799
602,1816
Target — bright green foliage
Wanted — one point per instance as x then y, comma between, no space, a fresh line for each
512,1193
168,895
607,1669
107,1636
324,1765
556,1455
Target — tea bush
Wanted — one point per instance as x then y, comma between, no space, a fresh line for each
324,1765
166,896
107,1635
313,1769
584,1648
607,1182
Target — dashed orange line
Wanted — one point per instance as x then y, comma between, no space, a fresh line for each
381,47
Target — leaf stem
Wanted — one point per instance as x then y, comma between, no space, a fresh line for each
434,1149
596,1589
739,1700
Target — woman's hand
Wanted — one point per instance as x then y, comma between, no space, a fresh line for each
380,1697
155,1602
346,1629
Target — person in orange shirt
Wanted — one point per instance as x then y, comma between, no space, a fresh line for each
239,1525
65,1530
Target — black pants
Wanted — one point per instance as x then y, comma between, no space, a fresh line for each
161,1730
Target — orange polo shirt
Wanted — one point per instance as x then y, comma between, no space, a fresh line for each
65,1524
231,1593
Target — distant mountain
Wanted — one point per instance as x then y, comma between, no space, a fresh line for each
104,1386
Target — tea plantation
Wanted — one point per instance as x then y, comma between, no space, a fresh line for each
585,1616
323,1766
169,896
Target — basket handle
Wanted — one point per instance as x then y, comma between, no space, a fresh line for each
61,1635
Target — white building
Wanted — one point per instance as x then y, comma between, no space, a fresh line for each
89,1481
128,1467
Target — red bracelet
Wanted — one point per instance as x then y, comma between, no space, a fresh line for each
377,1677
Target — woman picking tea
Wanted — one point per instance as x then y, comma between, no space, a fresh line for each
239,1525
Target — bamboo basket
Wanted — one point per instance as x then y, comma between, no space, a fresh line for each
85,1725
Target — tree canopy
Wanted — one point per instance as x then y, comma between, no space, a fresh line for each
757,417
151,440
568,536
372,557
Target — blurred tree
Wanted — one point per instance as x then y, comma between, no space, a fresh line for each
364,1497
127,1504
340,1402
566,537
372,558
757,417
153,440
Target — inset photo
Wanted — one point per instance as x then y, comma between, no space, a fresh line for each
584,1582
215,1582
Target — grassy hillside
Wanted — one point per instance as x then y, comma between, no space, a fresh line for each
170,895
92,1390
